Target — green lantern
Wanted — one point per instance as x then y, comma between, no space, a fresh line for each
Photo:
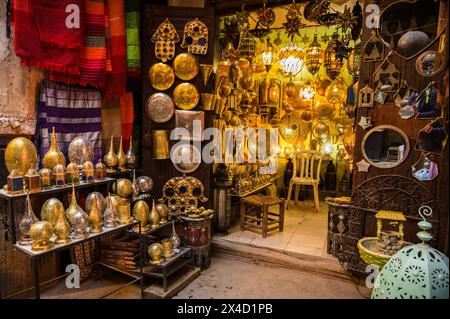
416,271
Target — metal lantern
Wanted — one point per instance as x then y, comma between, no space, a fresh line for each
354,61
247,47
336,92
314,56
291,58
307,92
268,55
331,63
416,271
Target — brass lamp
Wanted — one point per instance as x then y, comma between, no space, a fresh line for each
95,218
354,61
291,58
330,61
88,172
54,156
110,158
121,157
28,219
314,56
46,178
307,92
15,181
41,232
32,180
141,212
73,173
59,175
268,56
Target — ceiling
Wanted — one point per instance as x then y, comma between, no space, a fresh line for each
231,6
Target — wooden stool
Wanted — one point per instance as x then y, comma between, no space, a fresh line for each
264,219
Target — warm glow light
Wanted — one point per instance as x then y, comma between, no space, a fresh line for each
291,58
314,56
327,148
307,92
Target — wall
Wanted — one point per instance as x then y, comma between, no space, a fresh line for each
17,86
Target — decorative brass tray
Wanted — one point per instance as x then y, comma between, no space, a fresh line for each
161,76
186,96
159,107
185,66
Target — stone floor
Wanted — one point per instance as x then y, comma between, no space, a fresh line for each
229,277
305,232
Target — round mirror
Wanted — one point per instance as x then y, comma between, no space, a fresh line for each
385,146
429,63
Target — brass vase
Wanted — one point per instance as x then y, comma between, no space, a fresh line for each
154,216
130,157
155,252
54,156
40,233
167,248
206,71
176,241
141,213
28,219
163,212
62,230
121,157
95,218
73,208
110,214
110,159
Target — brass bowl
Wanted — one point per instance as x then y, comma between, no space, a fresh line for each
161,76
186,96
185,66
51,210
124,187
20,154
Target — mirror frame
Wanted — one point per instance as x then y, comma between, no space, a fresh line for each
377,128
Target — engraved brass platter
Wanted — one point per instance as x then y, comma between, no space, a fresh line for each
186,158
186,66
161,76
20,154
186,96
159,107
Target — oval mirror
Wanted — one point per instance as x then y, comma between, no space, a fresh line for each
429,63
385,146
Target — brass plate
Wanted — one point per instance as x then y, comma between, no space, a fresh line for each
186,66
159,107
161,76
186,158
20,154
186,96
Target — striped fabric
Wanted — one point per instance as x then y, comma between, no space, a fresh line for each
132,18
72,112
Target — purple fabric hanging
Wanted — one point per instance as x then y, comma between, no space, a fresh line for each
72,112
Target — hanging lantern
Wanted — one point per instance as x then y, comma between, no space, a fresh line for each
268,55
314,56
307,92
354,62
247,47
291,59
336,92
331,63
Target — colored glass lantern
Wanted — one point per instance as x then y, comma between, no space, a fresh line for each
247,47
46,178
15,181
291,58
88,173
59,175
331,63
354,61
32,180
268,55
336,92
100,171
73,173
307,92
314,56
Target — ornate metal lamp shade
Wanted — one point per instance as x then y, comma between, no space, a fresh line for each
291,57
331,63
268,55
314,56
354,61
416,271
248,47
307,92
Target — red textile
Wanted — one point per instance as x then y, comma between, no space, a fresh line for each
53,19
127,112
31,51
117,79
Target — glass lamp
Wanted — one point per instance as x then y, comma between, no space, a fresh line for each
291,59
268,55
354,61
307,92
314,56
336,92
331,63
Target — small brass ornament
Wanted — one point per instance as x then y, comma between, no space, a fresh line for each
110,159
95,218
121,157
54,156
154,217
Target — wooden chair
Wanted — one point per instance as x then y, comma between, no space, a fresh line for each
261,221
306,173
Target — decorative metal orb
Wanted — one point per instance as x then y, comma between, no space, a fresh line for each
41,231
20,154
292,128
124,187
324,109
101,202
51,209
80,150
321,85
80,221
336,92
321,131
412,42
145,184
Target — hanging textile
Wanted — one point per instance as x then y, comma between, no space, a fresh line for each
132,16
93,53
127,112
29,30
72,112
117,79
59,22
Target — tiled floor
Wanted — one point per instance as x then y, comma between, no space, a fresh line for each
305,232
